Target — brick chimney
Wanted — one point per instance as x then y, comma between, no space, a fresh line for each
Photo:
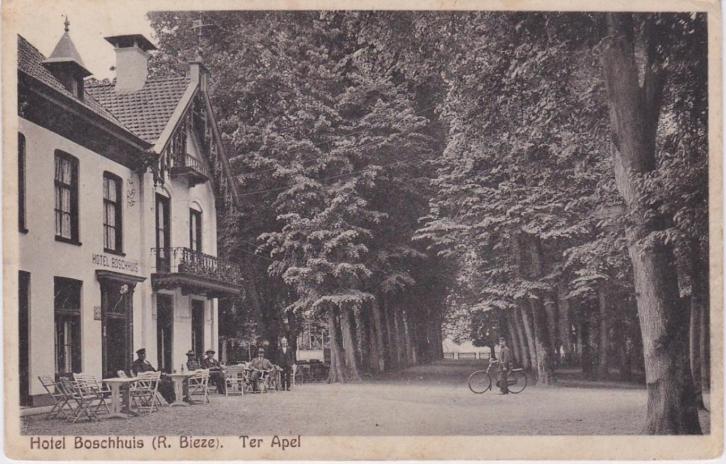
132,60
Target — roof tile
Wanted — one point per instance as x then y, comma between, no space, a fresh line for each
147,111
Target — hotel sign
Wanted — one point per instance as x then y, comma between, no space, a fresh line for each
114,262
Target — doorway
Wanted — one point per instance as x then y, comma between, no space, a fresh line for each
198,328
164,332
117,326
24,337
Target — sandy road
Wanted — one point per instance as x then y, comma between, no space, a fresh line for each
425,400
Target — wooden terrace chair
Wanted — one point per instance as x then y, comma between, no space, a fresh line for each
92,384
235,380
274,379
61,400
198,384
84,399
144,392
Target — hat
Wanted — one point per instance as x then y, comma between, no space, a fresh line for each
141,351
190,353
209,352
260,350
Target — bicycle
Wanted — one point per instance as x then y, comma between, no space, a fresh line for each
481,381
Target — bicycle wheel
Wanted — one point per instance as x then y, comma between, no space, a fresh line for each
479,382
517,381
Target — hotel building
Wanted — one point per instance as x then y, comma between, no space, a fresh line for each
120,187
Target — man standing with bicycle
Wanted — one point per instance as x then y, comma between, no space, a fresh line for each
505,366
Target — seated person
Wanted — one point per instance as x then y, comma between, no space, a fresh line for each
166,385
260,367
192,363
216,374
141,364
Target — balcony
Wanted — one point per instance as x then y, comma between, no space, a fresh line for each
187,166
195,272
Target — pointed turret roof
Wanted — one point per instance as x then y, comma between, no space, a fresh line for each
65,52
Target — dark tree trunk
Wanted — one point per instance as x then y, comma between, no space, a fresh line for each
337,372
603,342
695,352
543,325
349,352
373,353
579,335
407,356
398,336
626,360
361,342
390,353
545,369
293,330
634,114
564,326
513,338
551,310
698,338
529,335
438,342
521,337
705,351
588,341
377,339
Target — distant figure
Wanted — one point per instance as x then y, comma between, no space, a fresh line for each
286,359
505,366
261,367
216,375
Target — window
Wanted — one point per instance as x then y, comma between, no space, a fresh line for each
66,197
112,218
21,183
195,230
162,234
67,309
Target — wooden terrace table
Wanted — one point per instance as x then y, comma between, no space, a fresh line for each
179,378
115,383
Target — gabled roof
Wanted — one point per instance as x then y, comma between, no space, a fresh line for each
147,111
30,62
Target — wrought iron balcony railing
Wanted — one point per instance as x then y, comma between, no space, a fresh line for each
185,165
198,269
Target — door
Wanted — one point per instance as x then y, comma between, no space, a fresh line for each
198,327
117,327
164,332
24,337
67,320
163,234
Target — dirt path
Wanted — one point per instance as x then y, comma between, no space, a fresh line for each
425,400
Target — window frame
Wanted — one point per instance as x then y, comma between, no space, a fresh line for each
22,155
74,207
195,230
118,213
163,227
